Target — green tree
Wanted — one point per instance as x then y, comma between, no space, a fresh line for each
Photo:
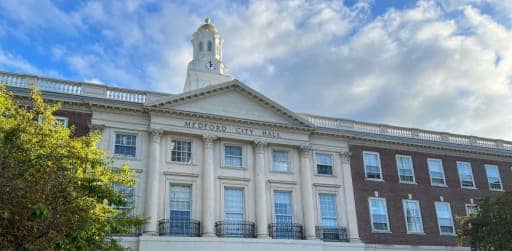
490,228
56,191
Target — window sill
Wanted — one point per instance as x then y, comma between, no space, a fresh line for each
181,163
381,232
435,185
416,233
378,180
408,183
448,234
281,172
325,175
496,190
470,188
241,168
124,157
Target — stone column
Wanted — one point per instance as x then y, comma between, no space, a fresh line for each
306,167
260,190
152,182
349,197
208,186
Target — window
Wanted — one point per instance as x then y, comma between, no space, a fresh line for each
328,210
444,218
323,163
379,215
493,177
372,165
280,161
209,45
125,145
283,215
435,168
465,174
181,151
233,156
412,215
180,210
405,169
59,120
234,204
471,209
129,198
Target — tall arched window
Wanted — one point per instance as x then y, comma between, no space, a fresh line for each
201,46
209,45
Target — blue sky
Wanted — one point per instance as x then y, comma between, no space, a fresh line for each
442,65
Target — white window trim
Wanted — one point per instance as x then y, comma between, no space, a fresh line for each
472,175
66,120
412,169
319,212
333,161
451,214
185,181
292,204
244,194
284,188
236,185
499,177
469,205
272,149
223,145
405,217
138,144
380,167
442,171
192,148
371,216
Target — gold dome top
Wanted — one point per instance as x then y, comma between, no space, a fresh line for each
207,26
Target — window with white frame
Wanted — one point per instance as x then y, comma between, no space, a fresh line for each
129,197
125,144
328,210
283,207
493,177
444,218
465,174
372,168
471,209
412,213
378,214
232,156
59,120
234,210
323,163
181,151
180,209
405,169
280,161
436,171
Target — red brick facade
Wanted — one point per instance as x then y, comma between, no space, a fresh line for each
80,121
423,191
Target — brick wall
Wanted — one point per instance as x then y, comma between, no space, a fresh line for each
394,192
79,120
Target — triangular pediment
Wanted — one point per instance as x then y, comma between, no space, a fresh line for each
232,99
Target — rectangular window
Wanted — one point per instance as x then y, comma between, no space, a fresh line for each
471,209
280,161
323,163
412,215
405,169
180,209
444,218
181,151
328,210
465,174
234,211
233,156
493,177
283,214
59,120
125,145
129,196
372,165
378,214
436,171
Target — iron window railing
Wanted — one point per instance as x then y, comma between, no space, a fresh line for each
134,231
286,231
331,233
240,229
191,228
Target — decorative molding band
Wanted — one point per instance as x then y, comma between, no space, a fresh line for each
181,174
287,182
327,185
234,178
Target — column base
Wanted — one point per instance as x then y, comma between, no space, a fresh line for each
208,235
263,236
151,233
311,238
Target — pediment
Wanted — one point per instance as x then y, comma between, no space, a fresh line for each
232,99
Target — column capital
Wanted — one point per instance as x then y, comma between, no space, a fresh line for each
259,145
306,149
209,138
345,156
97,128
155,134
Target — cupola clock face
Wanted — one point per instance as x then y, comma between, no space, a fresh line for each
210,66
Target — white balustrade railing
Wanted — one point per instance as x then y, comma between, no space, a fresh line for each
71,87
410,133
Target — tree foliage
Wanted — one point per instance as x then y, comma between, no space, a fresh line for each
490,228
56,191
